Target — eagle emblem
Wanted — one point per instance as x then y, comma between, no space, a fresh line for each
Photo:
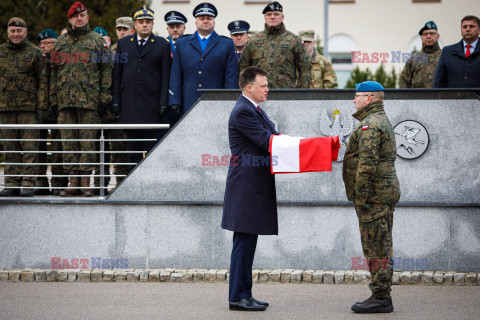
341,126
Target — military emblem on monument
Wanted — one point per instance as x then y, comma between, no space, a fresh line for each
341,125
411,138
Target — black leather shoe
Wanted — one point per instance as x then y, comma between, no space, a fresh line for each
41,192
373,305
245,305
10,193
27,193
260,303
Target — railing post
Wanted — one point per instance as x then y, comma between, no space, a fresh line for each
102,161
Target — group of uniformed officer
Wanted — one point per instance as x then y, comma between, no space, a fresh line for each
78,78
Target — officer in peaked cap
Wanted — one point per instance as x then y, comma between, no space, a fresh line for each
140,82
175,27
239,34
371,183
205,9
419,71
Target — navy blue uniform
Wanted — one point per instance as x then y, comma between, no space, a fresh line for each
192,69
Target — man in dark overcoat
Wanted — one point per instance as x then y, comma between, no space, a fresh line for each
250,204
203,60
140,81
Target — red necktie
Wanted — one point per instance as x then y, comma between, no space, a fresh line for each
468,50
259,109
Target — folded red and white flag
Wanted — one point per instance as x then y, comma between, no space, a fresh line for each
296,154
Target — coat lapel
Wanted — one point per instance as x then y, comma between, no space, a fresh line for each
458,50
132,44
149,45
194,42
262,114
211,43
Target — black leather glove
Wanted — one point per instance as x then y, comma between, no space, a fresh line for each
175,108
162,110
54,109
102,109
116,108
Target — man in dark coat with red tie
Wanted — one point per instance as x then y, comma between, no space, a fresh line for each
459,64
250,204
141,75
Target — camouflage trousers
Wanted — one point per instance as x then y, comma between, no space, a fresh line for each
54,158
376,237
20,117
79,116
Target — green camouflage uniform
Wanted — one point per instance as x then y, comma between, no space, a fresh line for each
23,92
48,117
118,146
323,75
281,54
371,183
79,82
419,70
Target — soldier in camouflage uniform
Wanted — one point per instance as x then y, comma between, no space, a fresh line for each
277,51
80,88
419,70
46,40
371,183
123,27
323,75
23,92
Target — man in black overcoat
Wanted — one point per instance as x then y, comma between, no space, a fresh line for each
250,205
141,75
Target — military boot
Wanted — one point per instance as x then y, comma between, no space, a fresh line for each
85,183
374,305
72,190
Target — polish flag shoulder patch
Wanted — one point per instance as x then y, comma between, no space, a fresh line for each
364,128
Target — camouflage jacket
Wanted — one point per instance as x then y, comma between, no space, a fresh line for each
79,77
419,70
323,75
369,163
23,83
281,54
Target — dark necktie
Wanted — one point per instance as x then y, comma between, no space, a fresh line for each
141,46
468,50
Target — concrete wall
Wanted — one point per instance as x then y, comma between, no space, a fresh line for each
167,212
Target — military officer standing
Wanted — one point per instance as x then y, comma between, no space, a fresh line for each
80,89
239,34
123,28
277,51
175,27
140,84
101,31
323,75
371,183
23,92
203,60
419,70
46,40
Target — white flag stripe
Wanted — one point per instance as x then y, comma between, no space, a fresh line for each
286,152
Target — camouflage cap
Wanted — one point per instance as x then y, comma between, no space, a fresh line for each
307,35
16,22
429,25
125,22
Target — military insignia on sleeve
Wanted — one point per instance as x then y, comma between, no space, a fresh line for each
411,139
364,128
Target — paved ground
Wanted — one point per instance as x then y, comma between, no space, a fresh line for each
208,301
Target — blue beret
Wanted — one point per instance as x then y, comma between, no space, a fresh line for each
429,25
46,34
238,26
143,13
205,9
101,31
274,6
369,86
173,17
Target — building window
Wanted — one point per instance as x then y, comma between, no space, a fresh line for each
340,49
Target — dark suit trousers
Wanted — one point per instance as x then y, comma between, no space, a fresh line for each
241,262
140,145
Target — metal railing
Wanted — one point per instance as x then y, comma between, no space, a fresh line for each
101,140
